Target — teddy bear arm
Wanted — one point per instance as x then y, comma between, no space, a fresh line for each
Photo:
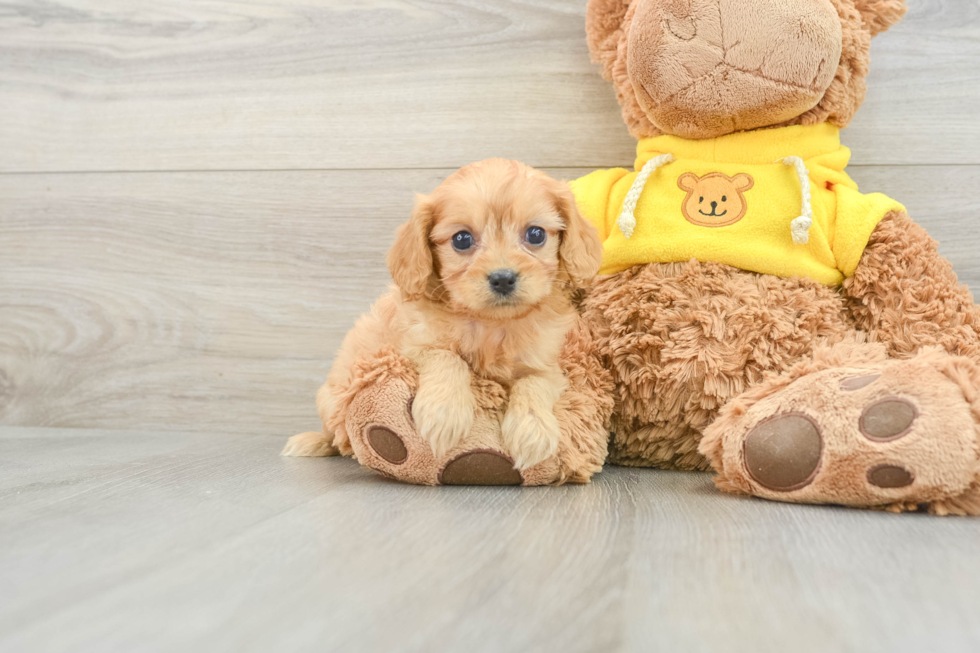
907,296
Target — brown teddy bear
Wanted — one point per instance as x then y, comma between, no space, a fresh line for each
759,315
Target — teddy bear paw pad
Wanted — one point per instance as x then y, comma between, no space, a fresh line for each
890,476
888,419
783,453
480,468
856,383
387,444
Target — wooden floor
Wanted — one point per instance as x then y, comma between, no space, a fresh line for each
140,541
195,201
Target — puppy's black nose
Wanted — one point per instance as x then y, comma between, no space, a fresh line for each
714,205
502,282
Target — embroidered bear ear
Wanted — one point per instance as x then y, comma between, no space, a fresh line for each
603,31
688,182
879,15
743,182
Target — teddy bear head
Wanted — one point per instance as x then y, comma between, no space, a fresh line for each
705,68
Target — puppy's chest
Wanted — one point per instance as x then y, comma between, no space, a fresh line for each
495,351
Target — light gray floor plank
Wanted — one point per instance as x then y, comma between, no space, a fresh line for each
208,84
122,541
215,302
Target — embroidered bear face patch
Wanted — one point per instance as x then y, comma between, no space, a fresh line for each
715,200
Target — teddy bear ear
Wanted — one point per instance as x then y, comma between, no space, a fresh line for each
879,15
603,29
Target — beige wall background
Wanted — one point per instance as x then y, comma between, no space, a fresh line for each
196,196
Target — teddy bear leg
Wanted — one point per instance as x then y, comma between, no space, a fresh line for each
856,428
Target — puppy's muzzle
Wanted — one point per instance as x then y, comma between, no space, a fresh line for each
502,282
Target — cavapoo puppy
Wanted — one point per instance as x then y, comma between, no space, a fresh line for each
484,272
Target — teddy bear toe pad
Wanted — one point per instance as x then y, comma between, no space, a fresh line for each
387,444
858,382
483,467
890,476
888,419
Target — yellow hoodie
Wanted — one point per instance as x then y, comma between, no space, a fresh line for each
774,201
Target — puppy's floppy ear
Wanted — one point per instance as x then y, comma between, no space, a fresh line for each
879,15
603,29
410,258
580,251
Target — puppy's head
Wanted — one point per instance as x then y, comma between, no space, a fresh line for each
494,239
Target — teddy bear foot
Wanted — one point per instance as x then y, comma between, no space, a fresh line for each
383,436
890,434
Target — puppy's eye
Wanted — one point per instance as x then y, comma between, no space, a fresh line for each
462,241
724,198
536,236
701,200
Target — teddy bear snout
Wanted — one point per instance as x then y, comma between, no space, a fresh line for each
747,65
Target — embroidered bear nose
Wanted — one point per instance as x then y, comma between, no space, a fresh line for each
714,205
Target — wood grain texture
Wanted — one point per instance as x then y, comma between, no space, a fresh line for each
292,84
216,301
137,541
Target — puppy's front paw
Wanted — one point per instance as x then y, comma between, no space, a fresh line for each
530,436
443,416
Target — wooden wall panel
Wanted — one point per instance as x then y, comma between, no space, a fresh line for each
338,84
215,301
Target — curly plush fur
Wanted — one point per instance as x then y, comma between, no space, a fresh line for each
907,296
682,339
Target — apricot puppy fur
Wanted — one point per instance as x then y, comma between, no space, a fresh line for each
484,272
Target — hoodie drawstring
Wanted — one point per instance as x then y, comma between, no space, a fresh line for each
801,225
627,220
